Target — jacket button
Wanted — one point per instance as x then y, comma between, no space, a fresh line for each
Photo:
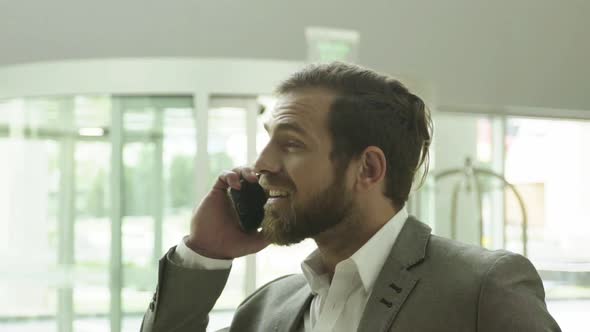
395,288
387,303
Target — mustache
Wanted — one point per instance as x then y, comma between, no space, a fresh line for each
271,182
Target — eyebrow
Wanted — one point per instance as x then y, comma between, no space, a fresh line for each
292,126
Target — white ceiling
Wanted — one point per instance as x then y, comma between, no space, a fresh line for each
505,52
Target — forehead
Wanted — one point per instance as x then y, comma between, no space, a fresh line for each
307,108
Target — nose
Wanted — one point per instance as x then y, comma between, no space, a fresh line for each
267,161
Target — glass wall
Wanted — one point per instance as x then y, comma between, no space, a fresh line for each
55,205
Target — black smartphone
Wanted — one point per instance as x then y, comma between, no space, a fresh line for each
249,203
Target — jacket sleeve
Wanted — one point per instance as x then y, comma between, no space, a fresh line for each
512,298
183,298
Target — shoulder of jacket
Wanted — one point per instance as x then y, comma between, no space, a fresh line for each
458,253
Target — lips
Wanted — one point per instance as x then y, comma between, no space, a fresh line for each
277,193
275,190
277,200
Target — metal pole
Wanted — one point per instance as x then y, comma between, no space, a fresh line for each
454,207
158,183
525,222
478,171
116,275
498,165
201,116
65,312
251,117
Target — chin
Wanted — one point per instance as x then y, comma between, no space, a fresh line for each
280,231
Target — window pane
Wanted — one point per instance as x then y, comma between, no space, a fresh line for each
158,157
92,242
548,161
138,225
180,149
29,210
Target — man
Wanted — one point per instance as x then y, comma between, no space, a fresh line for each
345,144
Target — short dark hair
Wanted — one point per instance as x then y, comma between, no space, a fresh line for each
371,109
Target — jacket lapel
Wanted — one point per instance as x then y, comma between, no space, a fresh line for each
396,281
293,309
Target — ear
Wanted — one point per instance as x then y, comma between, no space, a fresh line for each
371,168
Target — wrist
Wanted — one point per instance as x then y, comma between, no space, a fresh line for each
194,246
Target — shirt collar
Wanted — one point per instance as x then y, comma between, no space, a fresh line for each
368,259
315,273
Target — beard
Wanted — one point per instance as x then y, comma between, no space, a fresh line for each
298,222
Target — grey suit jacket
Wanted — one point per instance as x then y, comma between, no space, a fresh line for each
427,283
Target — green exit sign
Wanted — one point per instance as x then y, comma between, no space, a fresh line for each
327,44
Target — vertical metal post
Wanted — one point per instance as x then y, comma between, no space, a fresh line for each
201,116
158,182
251,125
65,312
116,270
498,197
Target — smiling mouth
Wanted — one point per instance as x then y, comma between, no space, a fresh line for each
278,199
272,199
276,193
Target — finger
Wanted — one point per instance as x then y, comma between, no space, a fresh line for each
246,173
249,174
228,179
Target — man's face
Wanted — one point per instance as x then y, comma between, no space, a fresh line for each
308,192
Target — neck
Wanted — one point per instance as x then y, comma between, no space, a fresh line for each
343,240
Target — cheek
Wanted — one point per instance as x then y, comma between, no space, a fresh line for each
310,174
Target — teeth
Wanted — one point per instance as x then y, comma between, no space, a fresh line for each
278,193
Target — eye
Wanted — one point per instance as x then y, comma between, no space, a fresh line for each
292,145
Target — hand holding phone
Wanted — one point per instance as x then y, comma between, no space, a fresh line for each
217,230
249,204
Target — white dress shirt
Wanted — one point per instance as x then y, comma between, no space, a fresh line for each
337,305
